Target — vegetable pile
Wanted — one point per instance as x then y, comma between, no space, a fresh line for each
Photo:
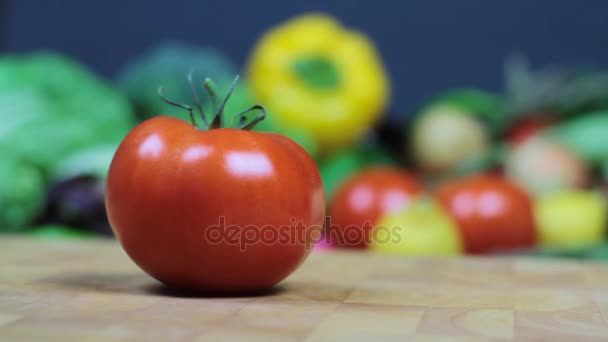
56,118
524,170
519,172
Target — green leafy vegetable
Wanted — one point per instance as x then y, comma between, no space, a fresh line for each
51,106
585,134
58,232
22,193
561,91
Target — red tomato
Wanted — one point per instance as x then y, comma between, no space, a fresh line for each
528,128
213,210
362,199
492,213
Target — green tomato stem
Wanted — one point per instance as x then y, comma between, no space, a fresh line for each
242,118
216,121
196,98
180,105
218,118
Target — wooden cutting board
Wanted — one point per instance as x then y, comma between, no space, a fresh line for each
91,291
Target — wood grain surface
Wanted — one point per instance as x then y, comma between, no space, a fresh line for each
91,291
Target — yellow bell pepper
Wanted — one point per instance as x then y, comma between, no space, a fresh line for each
317,76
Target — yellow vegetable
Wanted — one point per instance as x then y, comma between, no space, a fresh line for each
423,229
320,77
571,218
444,137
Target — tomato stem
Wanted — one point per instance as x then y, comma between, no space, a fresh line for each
196,98
242,118
217,121
211,90
180,105
218,117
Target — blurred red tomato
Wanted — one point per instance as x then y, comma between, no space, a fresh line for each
528,128
492,213
362,199
542,165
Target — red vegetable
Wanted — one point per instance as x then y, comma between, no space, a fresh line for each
213,209
528,128
362,199
492,213
542,165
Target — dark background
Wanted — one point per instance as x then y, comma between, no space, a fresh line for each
427,46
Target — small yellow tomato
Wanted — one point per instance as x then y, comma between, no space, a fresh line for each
423,229
571,218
